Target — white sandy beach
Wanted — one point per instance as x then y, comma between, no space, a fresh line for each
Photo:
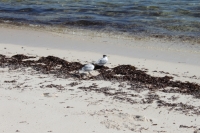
29,105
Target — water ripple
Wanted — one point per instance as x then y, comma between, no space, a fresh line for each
180,18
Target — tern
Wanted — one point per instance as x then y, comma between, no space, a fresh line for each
87,68
102,61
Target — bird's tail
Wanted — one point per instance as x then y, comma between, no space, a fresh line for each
94,62
81,71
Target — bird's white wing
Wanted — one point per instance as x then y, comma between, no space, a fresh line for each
101,61
88,67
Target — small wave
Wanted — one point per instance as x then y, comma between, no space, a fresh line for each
84,23
159,18
26,10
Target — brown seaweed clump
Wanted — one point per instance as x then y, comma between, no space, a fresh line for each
65,69
20,57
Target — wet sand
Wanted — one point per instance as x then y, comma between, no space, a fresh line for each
53,98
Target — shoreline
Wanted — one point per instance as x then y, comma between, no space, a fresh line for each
30,98
80,31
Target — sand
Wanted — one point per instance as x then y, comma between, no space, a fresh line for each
30,103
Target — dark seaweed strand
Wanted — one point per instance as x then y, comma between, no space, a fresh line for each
65,69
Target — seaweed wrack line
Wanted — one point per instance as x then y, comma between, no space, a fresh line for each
65,69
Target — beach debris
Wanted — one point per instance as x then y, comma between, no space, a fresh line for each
140,118
50,95
46,94
105,90
95,103
184,126
51,63
125,75
59,87
68,107
72,84
12,81
51,60
185,108
20,57
123,85
138,80
174,98
2,56
150,98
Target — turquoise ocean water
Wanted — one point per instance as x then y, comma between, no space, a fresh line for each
158,18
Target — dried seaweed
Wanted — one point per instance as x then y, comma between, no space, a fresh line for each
64,69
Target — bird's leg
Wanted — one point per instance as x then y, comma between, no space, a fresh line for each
90,74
